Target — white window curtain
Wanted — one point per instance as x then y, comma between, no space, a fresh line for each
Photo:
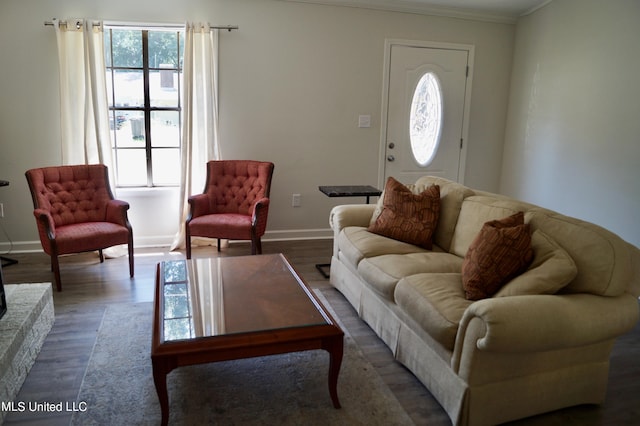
84,111
199,115
84,108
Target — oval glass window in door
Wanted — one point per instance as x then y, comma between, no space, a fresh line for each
425,120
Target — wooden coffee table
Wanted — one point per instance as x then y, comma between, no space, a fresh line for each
227,308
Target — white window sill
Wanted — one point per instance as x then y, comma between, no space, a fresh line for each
146,192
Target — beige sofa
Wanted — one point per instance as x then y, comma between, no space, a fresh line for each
530,348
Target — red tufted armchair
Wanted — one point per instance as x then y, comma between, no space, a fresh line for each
75,212
234,204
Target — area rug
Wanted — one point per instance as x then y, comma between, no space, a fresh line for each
286,389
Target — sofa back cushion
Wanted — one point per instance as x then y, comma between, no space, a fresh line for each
451,196
606,265
474,213
551,269
603,260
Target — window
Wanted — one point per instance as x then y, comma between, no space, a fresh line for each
144,82
425,120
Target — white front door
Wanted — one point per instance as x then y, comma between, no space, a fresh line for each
425,112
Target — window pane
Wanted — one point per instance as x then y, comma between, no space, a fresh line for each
425,121
129,88
127,48
166,166
116,120
132,167
163,49
129,130
165,129
163,88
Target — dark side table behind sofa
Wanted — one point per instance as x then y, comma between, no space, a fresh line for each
346,191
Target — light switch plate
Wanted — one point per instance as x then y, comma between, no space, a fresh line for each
364,121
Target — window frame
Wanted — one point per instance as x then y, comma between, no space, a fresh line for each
423,140
146,109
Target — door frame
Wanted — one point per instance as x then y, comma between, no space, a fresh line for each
388,43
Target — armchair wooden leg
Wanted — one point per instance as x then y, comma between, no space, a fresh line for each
187,241
219,243
256,245
101,255
130,259
55,267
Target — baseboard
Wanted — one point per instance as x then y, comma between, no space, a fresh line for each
7,248
20,247
298,234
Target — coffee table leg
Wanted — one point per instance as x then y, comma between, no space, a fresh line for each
335,347
160,379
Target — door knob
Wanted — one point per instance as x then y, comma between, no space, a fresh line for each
390,158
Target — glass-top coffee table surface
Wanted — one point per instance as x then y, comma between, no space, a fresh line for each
217,296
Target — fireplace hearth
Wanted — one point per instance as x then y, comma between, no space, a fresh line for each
3,298
22,333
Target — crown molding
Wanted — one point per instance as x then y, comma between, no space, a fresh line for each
534,8
417,8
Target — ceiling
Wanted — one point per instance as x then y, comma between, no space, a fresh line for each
491,10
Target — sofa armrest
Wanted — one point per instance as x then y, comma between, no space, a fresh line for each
544,322
350,215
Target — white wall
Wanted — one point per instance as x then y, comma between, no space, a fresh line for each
293,80
573,131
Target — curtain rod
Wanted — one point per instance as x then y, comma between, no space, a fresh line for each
97,24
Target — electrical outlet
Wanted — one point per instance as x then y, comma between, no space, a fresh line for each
295,200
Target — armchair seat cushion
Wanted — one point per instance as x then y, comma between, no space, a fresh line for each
89,236
233,226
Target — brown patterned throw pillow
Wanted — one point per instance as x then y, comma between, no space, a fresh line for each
406,216
501,251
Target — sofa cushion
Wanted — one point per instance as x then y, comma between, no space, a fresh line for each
501,251
408,217
551,269
435,302
605,263
478,210
356,243
382,273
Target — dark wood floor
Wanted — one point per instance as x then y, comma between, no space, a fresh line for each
89,287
